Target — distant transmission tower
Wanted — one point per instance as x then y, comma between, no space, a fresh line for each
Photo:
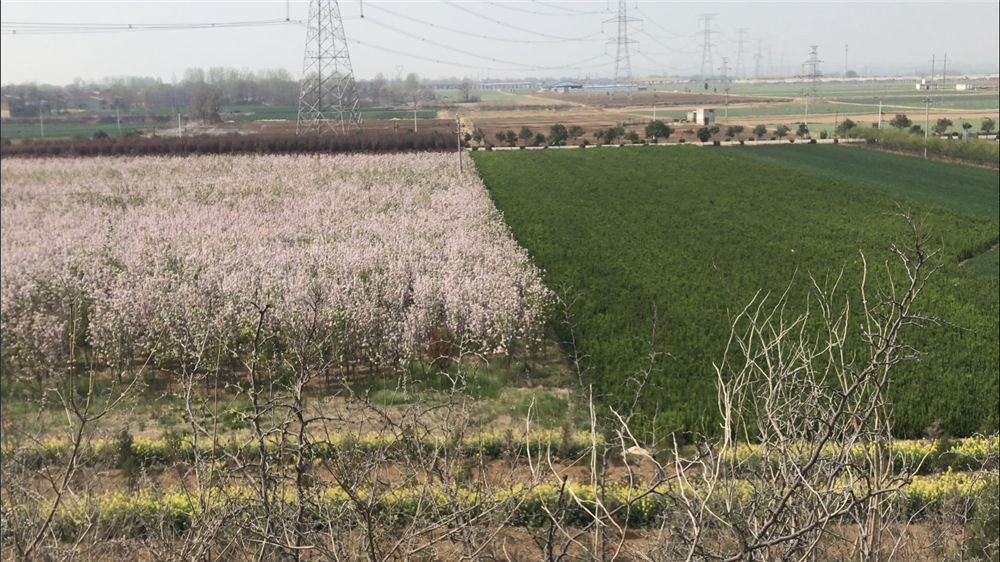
814,74
758,58
706,49
623,66
328,100
725,70
741,70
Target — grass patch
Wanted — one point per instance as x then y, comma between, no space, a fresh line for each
987,264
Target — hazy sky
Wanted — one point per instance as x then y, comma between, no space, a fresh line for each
497,39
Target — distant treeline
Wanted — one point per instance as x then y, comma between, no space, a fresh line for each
226,86
231,144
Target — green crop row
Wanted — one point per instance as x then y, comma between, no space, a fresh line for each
683,235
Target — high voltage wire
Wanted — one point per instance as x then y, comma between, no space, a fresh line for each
679,51
436,44
38,28
576,65
537,13
692,34
479,36
498,22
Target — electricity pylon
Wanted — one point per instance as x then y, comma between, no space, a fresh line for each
706,48
328,99
623,66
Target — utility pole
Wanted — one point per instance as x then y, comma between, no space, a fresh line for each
927,116
933,57
458,126
927,123
727,105
41,120
706,48
414,120
741,70
623,65
880,114
944,74
725,70
329,99
847,67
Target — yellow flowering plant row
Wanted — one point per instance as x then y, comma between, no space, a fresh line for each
917,456
149,452
522,505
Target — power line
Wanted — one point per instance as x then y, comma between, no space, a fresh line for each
578,64
584,38
498,22
568,12
40,28
645,15
671,49
436,44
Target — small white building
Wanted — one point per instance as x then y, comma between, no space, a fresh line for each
964,87
702,116
925,85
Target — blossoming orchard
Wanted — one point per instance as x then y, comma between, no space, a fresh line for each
375,255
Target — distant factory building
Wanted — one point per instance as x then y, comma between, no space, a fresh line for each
506,85
704,117
565,87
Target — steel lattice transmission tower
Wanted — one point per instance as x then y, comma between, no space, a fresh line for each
706,49
328,99
814,74
741,70
623,66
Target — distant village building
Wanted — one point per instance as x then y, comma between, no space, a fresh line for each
703,117
964,87
926,85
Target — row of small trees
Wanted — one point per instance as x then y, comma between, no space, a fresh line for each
940,127
655,130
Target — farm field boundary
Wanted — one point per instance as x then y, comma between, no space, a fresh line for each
684,232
